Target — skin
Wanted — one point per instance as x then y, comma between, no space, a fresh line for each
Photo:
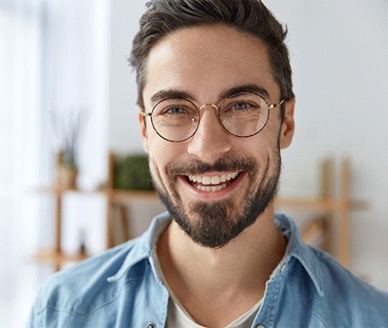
217,284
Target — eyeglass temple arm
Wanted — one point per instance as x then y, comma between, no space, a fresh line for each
277,105
145,114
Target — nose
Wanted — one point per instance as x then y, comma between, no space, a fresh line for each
210,140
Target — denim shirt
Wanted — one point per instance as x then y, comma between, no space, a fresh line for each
122,288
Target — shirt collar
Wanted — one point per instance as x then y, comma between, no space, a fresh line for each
300,251
142,247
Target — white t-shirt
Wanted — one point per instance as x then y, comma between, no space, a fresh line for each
178,317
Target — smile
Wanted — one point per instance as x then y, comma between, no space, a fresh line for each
212,183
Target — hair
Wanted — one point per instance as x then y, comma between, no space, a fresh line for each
248,16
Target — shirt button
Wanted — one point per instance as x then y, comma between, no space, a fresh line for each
260,326
151,325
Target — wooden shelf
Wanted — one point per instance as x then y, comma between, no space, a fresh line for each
113,196
55,190
116,195
57,258
124,196
328,204
334,218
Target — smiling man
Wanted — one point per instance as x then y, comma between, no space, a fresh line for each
212,137
216,107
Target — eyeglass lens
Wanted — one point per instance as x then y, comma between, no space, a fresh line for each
242,115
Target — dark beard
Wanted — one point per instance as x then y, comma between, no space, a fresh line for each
220,222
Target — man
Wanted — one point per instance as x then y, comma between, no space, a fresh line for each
215,105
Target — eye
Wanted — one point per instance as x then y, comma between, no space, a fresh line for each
175,110
241,106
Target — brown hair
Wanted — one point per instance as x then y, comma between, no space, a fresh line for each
249,16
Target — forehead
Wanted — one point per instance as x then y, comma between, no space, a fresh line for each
206,61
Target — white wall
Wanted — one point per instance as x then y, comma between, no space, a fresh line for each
338,52
124,131
76,79
123,126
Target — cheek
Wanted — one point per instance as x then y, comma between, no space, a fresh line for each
271,133
262,144
161,154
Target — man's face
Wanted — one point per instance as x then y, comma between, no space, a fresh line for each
214,184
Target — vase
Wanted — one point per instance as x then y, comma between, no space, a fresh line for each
66,177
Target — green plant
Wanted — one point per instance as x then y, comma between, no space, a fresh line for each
132,172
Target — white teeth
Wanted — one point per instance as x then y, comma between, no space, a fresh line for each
211,188
212,180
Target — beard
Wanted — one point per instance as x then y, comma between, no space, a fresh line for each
215,224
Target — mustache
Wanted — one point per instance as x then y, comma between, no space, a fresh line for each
226,163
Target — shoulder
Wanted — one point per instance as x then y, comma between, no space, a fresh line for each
97,273
101,290
337,287
85,287
344,281
314,290
317,284
346,293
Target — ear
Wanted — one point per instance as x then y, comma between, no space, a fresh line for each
288,126
143,128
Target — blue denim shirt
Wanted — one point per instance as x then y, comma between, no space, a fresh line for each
121,288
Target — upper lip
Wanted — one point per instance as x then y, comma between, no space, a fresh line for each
213,179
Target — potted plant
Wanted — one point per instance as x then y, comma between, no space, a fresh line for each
68,131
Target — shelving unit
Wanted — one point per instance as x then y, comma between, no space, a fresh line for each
56,256
332,226
333,208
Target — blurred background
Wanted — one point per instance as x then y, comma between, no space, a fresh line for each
65,84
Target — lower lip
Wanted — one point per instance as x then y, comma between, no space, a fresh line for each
214,195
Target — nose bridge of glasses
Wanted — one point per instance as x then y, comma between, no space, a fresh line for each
216,111
208,105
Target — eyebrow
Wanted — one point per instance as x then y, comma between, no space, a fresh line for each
245,88
175,93
170,93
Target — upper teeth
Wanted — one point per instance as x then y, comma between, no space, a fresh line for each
213,180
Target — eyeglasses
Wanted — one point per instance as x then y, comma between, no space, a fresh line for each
243,115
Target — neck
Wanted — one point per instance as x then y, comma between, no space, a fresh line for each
238,270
